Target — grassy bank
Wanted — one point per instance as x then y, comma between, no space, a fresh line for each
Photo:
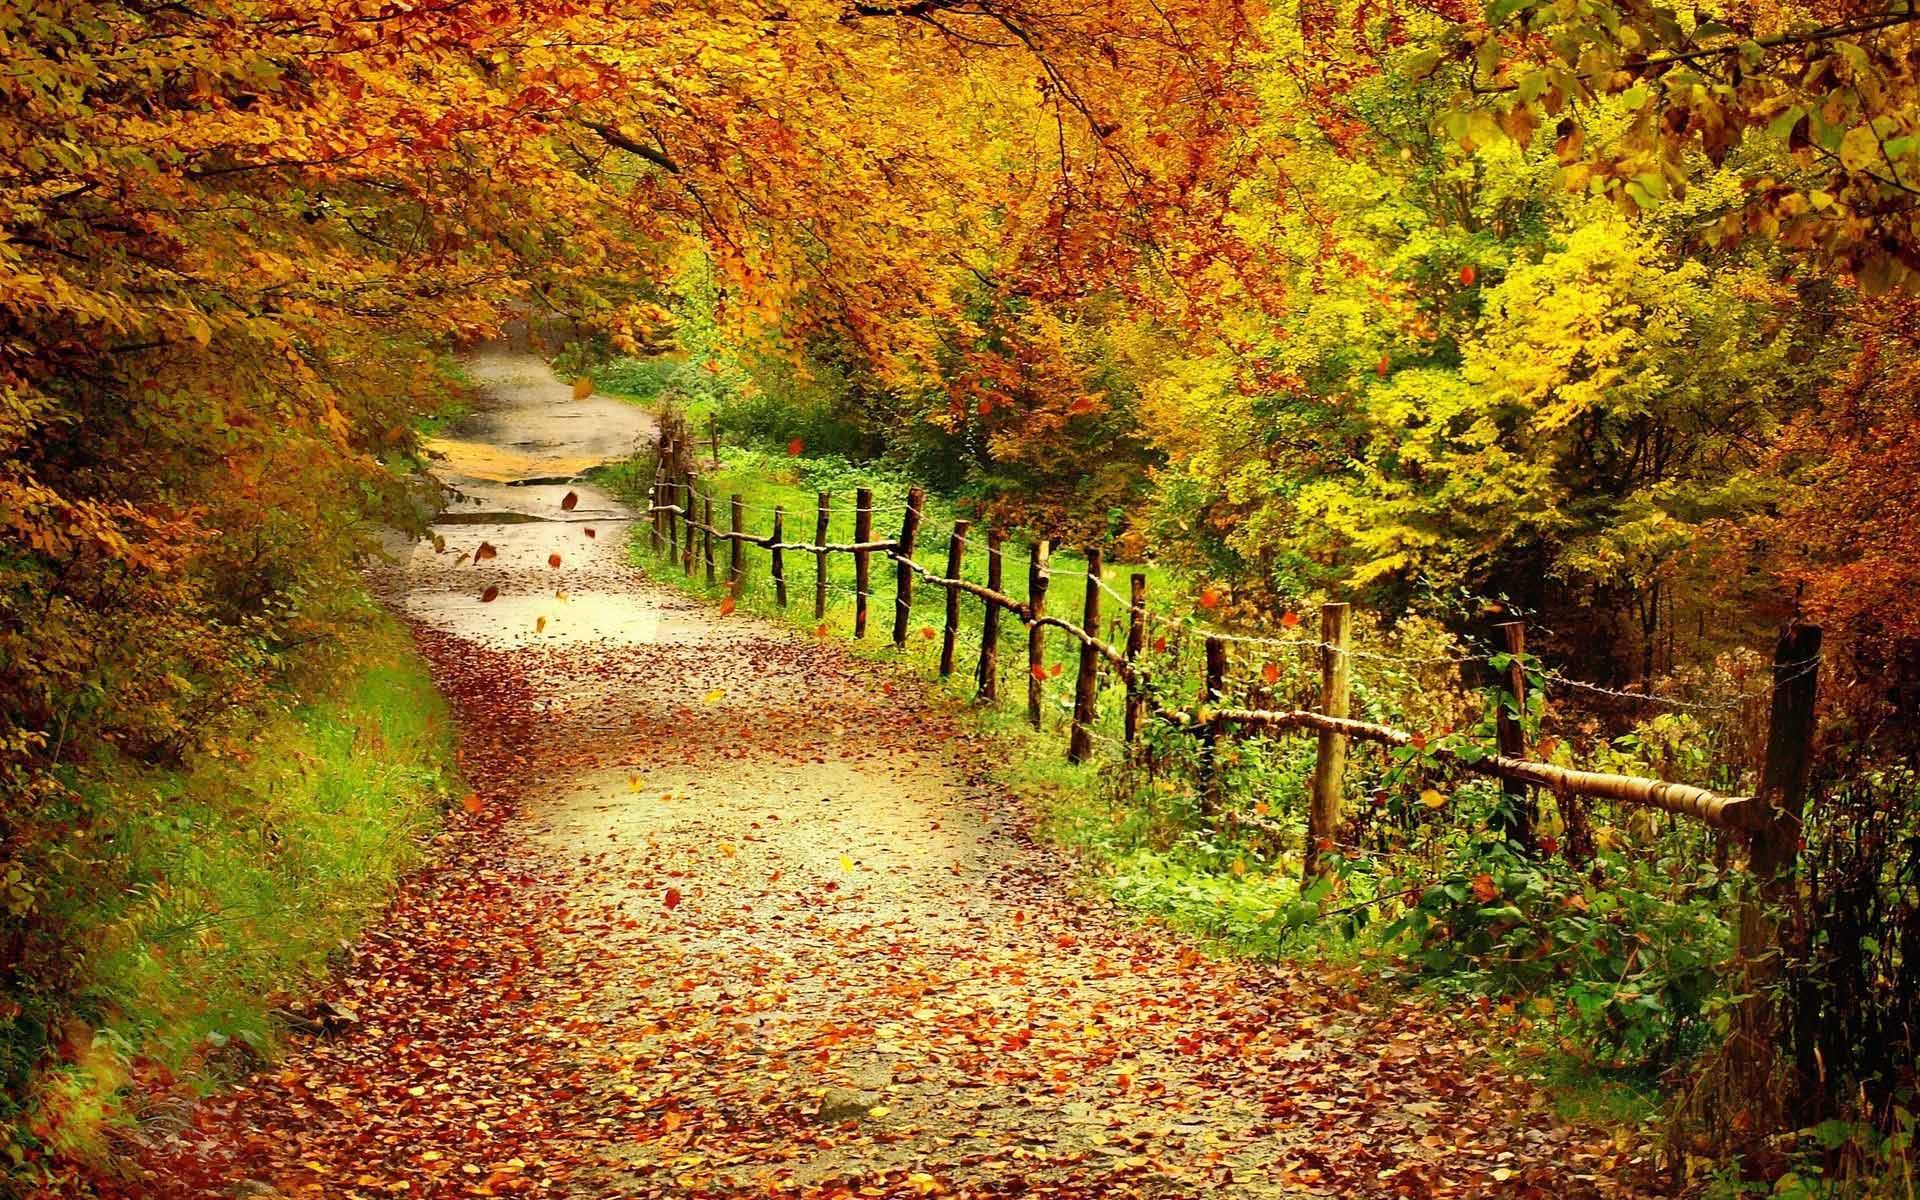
193,901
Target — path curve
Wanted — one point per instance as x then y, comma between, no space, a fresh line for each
740,915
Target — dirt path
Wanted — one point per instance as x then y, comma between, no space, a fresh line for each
738,916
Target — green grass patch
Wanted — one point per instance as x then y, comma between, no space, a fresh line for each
196,900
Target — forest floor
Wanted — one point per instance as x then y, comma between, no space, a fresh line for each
733,912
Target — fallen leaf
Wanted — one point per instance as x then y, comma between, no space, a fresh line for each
672,898
553,560
568,501
488,596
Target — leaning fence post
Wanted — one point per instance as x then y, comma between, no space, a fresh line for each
1086,684
1136,644
988,675
736,561
1510,733
950,636
706,536
1214,691
823,509
862,534
903,569
779,556
1037,579
1773,827
672,492
1330,761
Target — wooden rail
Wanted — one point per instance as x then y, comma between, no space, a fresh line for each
1507,763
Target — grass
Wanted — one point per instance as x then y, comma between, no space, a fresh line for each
239,875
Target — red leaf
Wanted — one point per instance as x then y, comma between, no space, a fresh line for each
471,802
589,531
726,606
553,560
1290,620
926,631
485,552
1083,404
488,596
1210,597
1466,275
1270,673
795,446
1160,645
1381,368
672,898
1038,671
1054,670
1418,741
568,501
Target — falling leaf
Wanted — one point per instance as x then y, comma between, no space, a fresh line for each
1054,670
1382,367
589,531
1270,672
582,388
1466,275
540,626
1418,741
672,898
1038,671
820,630
471,802
1160,645
726,606
568,501
1082,404
926,631
1210,597
488,596
553,560
1432,798
846,863
1290,620
795,446
1484,889
485,552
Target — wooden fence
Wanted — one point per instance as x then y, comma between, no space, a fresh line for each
1769,819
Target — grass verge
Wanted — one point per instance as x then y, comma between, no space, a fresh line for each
195,901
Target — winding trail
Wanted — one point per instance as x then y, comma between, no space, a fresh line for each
739,915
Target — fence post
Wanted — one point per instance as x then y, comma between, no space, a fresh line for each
736,561
672,497
1510,732
903,568
862,533
1774,839
779,556
713,432
956,554
1038,576
1215,691
823,509
988,675
706,536
1136,644
1086,684
1330,762
656,536
688,518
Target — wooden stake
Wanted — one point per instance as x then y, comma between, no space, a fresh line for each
1330,762
1038,577
1510,732
779,556
736,560
1774,833
706,536
956,556
903,571
988,676
1136,645
862,532
1086,685
686,546
713,432
823,509
1215,692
